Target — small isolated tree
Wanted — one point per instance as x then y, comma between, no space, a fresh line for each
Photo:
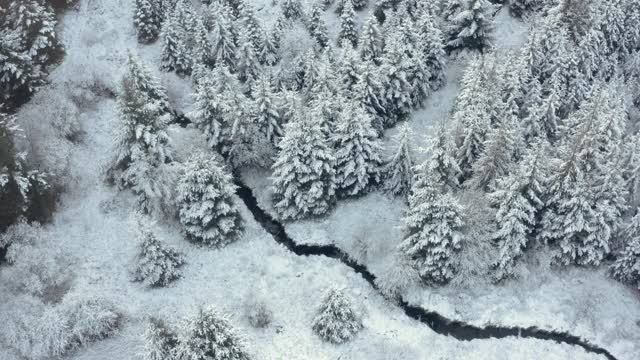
291,9
160,341
357,151
398,171
147,21
471,27
348,32
206,207
303,174
209,334
336,321
432,226
157,264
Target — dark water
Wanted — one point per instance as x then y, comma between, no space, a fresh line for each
435,321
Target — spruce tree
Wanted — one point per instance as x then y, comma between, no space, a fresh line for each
398,171
357,152
19,77
369,93
251,24
207,210
348,32
395,69
209,334
471,27
336,320
224,39
432,227
146,20
140,76
157,264
434,55
318,27
160,341
175,55
35,22
371,41
349,69
519,8
270,53
291,9
626,268
267,115
442,165
304,174
247,65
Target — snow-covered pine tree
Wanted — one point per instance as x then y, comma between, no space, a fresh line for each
626,268
395,69
266,111
156,264
434,55
398,171
202,52
348,32
349,65
175,55
471,116
519,8
224,39
147,21
160,341
270,52
304,174
207,210
359,4
371,41
432,227
369,93
19,77
336,321
251,24
442,165
292,9
209,334
143,80
471,27
142,147
498,155
631,167
357,152
247,64
318,27
35,21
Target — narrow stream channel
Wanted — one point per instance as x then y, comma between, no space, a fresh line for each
435,321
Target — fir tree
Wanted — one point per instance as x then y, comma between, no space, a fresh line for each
626,268
357,151
369,93
267,114
432,226
146,20
395,69
317,26
349,69
434,55
336,320
175,56
251,24
348,31
442,165
35,21
19,77
471,27
247,64
303,174
291,9
143,80
398,171
270,53
206,207
520,7
160,341
371,41
209,334
224,39
157,264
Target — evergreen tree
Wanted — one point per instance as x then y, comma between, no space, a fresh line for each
442,165
432,226
395,69
19,77
626,268
398,171
520,7
247,64
434,55
348,31
357,152
317,26
157,264
267,114
146,20
202,52
251,24
369,93
224,39
206,206
371,41
336,320
270,53
292,9
35,23
143,80
160,341
471,27
359,4
175,56
303,174
209,334
349,69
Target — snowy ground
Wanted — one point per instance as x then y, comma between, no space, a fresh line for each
95,233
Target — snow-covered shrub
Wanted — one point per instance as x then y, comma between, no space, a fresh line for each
209,334
66,119
157,264
336,320
259,314
397,277
36,263
207,208
89,319
160,340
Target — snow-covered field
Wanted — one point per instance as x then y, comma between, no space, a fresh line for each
94,230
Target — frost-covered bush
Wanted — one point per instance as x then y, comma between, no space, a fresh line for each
336,321
209,334
259,314
397,277
89,319
157,264
37,266
160,340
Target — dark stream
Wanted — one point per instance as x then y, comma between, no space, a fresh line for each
435,321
